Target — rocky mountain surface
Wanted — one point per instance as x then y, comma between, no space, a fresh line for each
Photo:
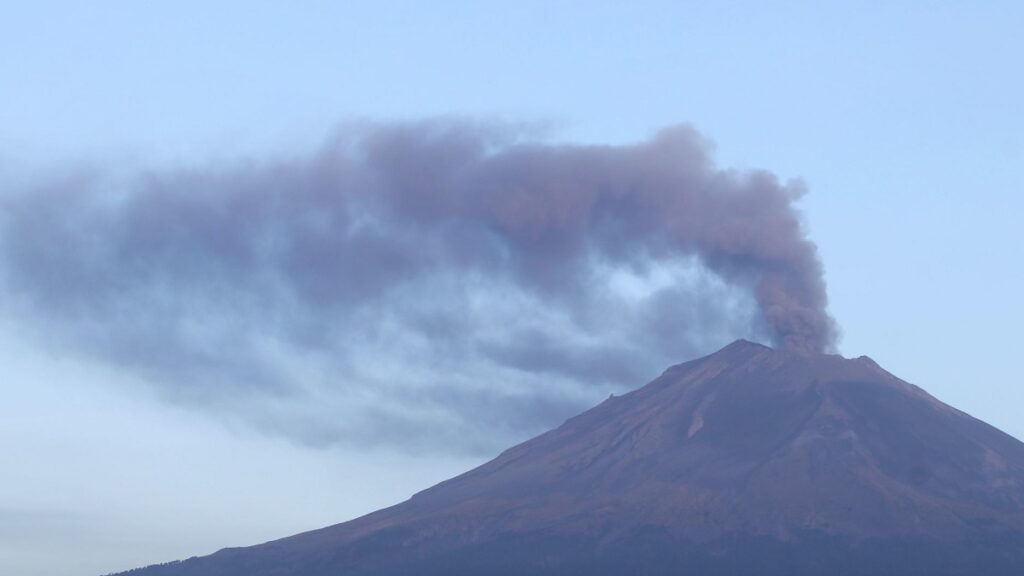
748,461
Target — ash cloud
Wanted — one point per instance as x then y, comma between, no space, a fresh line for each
437,280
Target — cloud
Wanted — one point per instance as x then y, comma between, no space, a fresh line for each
445,284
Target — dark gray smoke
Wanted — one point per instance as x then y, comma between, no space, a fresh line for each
436,272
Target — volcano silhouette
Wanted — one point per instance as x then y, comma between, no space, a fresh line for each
748,461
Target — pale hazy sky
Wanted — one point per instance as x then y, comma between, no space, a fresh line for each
902,118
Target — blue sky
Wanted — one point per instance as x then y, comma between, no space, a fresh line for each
901,118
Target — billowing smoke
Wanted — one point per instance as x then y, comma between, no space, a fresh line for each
415,278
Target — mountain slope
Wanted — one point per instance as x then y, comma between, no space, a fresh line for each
747,461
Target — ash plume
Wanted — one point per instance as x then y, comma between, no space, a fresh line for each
456,250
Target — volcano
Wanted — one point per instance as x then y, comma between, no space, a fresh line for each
748,461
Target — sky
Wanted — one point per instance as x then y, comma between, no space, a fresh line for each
161,403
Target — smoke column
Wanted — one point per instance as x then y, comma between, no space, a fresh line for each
543,211
196,276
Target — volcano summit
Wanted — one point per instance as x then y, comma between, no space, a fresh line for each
747,461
